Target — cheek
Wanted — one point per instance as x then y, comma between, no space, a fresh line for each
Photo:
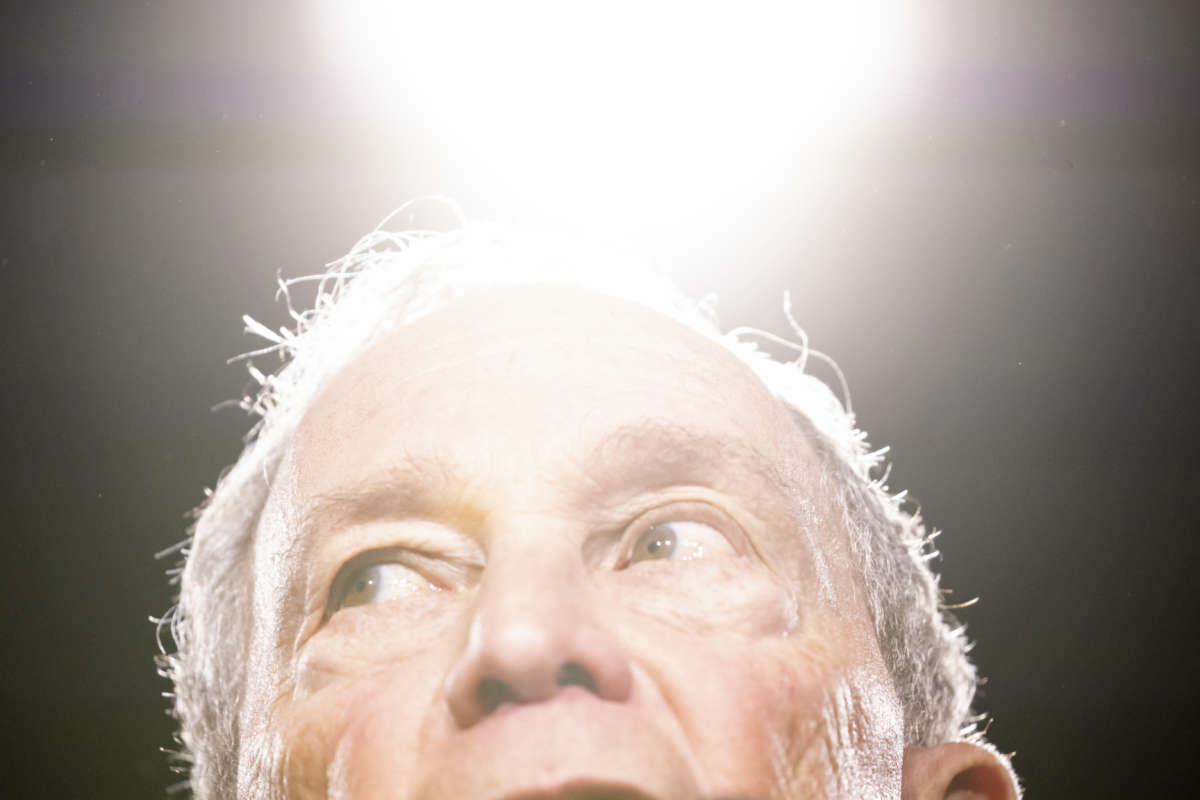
755,719
358,738
802,715
368,687
705,599
361,641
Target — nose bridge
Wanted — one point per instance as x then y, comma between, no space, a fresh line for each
534,631
523,572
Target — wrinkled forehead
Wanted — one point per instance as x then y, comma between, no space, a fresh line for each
530,389
556,362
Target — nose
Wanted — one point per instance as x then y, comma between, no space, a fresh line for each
533,634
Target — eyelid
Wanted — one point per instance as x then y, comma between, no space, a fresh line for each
682,511
420,563
445,555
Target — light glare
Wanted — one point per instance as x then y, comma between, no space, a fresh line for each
642,103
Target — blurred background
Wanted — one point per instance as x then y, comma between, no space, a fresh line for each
988,212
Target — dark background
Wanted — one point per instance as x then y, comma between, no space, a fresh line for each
1007,273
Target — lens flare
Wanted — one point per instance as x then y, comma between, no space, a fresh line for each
650,105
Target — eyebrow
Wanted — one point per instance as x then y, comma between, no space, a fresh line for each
643,456
654,453
425,486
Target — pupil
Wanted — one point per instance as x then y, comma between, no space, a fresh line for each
662,543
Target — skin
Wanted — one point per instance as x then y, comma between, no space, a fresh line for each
504,460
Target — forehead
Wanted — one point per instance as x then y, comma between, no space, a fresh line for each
538,371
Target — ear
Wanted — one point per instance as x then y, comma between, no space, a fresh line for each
957,771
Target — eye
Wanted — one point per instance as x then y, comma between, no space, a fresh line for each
378,583
681,540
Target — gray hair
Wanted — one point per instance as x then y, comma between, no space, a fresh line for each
389,280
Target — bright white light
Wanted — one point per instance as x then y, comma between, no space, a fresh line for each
662,105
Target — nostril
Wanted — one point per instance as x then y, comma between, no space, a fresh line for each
573,674
492,693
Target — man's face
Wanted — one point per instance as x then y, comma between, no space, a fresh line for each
544,544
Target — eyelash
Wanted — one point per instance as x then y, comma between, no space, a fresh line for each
679,511
339,588
690,511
